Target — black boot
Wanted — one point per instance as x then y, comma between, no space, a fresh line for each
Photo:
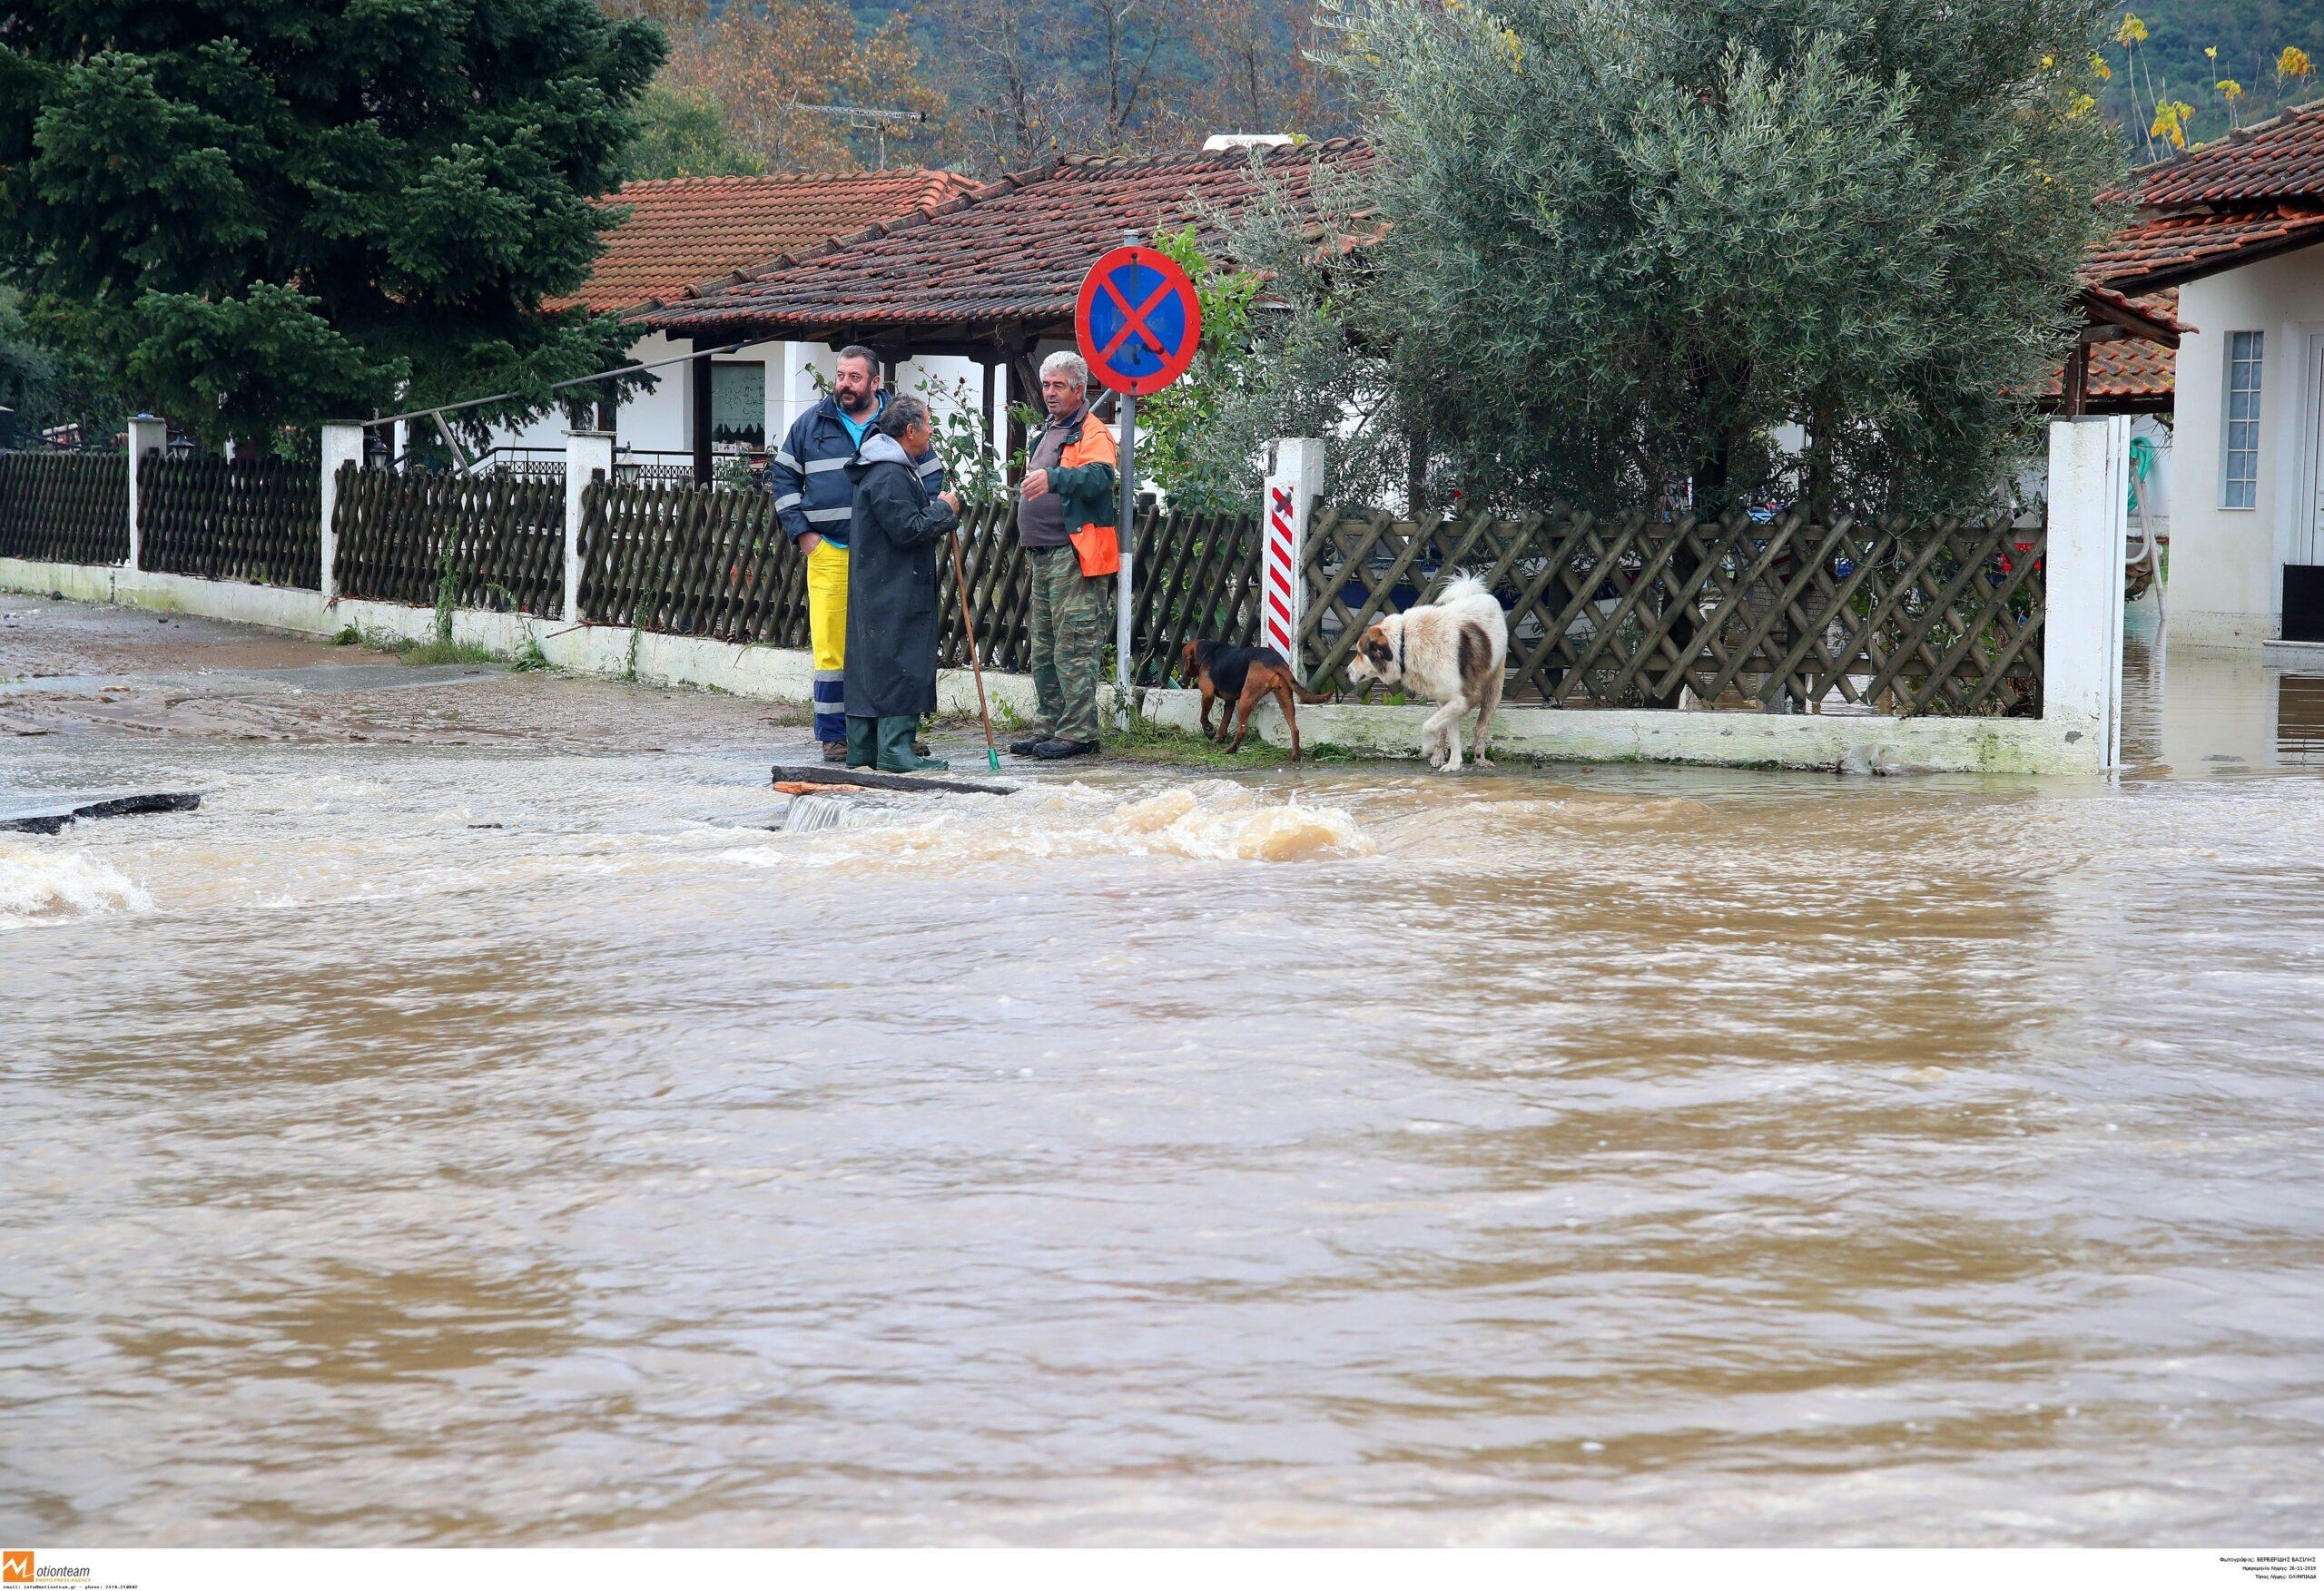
1059,751
1031,744
862,742
896,755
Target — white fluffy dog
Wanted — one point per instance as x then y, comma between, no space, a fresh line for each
1454,651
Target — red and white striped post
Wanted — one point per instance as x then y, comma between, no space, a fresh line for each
1294,480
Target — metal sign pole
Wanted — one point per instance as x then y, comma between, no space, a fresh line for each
1127,352
1128,538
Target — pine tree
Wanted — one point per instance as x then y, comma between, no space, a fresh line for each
265,215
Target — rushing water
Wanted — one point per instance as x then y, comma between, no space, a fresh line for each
469,1128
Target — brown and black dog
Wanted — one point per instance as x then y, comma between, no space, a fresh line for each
1243,677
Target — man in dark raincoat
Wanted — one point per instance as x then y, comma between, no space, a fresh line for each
892,616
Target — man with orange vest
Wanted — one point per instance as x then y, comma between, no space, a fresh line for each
1065,523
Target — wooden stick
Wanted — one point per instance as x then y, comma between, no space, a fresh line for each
976,661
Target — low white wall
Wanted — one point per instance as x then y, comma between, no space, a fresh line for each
1987,745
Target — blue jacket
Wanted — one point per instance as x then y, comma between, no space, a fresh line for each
809,474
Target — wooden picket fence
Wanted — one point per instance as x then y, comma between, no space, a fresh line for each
64,507
258,520
491,541
1625,612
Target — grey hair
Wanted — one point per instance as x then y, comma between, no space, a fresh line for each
1067,361
902,416
856,350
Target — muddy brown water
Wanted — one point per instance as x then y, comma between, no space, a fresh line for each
468,1129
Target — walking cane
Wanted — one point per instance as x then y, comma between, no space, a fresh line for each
960,582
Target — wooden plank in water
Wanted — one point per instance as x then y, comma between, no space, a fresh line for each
867,779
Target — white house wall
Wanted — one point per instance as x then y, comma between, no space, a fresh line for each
2226,564
659,419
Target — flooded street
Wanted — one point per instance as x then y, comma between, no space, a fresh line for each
474,1127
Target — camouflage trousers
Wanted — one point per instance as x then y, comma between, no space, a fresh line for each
1069,633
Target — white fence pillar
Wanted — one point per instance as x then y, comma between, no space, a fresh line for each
588,455
2081,630
147,433
342,444
1294,480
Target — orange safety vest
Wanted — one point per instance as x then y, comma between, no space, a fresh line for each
1096,544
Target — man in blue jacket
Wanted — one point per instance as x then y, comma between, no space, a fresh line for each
816,502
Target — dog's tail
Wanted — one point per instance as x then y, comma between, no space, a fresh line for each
1305,695
1464,587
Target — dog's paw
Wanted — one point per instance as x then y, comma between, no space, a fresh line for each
1480,761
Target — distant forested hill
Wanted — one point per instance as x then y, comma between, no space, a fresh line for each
2250,36
1011,81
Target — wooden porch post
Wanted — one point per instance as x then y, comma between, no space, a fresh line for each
698,372
2075,398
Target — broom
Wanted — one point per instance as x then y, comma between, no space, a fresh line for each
961,584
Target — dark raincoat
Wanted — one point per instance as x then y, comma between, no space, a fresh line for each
891,584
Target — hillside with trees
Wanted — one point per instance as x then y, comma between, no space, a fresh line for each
2185,71
993,85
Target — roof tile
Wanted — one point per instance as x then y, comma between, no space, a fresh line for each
1013,252
2129,371
687,232
2172,249
2282,158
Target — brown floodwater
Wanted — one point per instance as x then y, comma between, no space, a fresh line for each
470,1128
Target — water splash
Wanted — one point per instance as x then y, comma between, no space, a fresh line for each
1215,820
42,884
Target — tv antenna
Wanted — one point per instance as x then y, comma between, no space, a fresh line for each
865,118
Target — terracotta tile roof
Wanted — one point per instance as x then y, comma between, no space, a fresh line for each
690,231
1008,258
2159,312
2172,249
2282,158
2130,373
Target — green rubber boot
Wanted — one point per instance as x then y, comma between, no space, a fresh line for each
862,742
896,755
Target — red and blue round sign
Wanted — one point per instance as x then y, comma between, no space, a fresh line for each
1137,320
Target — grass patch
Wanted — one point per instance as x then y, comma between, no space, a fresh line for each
436,649
1147,741
440,648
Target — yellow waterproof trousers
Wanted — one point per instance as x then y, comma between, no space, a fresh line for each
827,631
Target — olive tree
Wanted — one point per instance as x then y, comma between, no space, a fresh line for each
1627,243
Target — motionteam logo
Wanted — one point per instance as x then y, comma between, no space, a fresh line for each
16,1568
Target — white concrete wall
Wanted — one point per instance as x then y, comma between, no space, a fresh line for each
656,418
944,379
2226,564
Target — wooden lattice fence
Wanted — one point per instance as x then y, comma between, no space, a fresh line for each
713,562
691,561
488,540
1942,619
247,519
64,507
1195,578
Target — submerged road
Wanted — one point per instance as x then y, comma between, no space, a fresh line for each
469,1128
